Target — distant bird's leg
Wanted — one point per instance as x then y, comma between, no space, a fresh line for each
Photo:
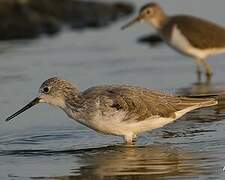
208,69
198,69
130,140
208,80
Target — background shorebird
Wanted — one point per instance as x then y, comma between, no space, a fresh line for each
116,109
188,35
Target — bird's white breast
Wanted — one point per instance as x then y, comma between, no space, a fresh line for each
181,43
108,122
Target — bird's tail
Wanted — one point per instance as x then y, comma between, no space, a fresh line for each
219,97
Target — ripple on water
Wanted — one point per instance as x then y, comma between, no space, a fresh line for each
176,155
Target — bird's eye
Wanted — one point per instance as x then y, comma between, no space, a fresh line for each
46,90
148,12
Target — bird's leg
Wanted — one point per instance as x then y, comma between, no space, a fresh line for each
130,140
208,69
198,69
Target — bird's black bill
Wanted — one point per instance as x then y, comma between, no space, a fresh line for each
28,106
137,19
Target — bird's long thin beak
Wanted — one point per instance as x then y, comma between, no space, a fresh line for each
28,106
132,22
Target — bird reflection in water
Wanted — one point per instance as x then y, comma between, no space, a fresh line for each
154,161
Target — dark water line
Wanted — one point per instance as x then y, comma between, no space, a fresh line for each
46,152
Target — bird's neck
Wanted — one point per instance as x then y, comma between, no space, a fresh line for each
72,105
159,21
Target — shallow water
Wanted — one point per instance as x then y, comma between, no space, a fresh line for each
44,144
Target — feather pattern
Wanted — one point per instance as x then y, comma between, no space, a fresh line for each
138,103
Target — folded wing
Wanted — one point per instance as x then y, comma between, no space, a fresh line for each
140,103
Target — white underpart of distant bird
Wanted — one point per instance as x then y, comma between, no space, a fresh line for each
180,43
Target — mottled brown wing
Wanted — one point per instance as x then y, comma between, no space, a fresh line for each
201,34
140,103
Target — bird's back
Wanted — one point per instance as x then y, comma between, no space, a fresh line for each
202,34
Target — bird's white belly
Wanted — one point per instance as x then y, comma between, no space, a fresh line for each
109,123
116,124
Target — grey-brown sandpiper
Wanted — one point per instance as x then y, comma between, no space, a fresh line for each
188,35
119,110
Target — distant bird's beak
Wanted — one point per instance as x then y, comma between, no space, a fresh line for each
132,22
28,106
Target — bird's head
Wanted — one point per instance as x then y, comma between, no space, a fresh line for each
151,12
54,91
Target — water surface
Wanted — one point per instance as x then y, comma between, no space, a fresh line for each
44,144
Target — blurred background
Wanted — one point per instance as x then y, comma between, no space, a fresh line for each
81,41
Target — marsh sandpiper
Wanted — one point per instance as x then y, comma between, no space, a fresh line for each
189,35
119,110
